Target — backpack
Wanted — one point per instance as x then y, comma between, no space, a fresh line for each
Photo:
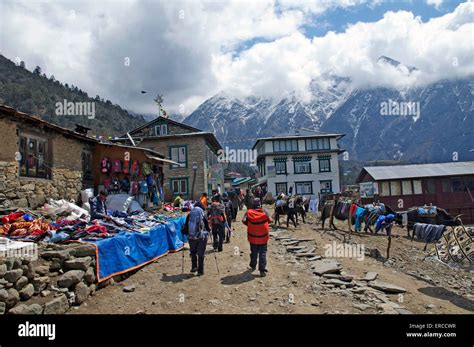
217,213
228,208
146,169
195,224
126,167
134,187
117,168
135,169
143,187
105,165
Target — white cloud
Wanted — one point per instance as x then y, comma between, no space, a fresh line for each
436,3
187,49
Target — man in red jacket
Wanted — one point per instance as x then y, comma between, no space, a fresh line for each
257,220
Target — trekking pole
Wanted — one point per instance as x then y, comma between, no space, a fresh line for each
182,261
215,257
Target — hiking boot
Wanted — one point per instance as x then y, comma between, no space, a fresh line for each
263,273
252,267
200,273
194,269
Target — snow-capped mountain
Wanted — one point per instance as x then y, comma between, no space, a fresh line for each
422,124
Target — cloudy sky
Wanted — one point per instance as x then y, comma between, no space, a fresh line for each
190,50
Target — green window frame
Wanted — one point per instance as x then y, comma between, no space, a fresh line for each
301,165
323,143
176,151
325,189
179,185
324,163
285,145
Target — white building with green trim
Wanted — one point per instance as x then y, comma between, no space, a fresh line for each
302,162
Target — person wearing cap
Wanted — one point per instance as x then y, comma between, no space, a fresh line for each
257,222
99,207
217,219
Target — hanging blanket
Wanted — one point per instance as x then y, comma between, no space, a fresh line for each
428,232
130,250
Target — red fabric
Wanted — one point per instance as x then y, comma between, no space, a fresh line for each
257,226
96,228
353,209
12,217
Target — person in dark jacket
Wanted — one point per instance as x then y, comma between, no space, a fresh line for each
257,222
218,219
99,207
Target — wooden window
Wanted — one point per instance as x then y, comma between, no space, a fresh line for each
304,187
285,145
179,185
384,188
407,187
324,164
417,187
325,186
281,188
179,155
302,167
318,144
430,186
395,188
35,156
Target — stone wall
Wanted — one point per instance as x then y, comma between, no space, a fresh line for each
62,277
18,191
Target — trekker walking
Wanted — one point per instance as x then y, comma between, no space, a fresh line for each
228,206
217,218
248,198
197,228
203,201
257,222
234,198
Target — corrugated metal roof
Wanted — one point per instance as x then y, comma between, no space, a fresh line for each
420,170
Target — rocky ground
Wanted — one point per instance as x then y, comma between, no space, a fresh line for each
300,279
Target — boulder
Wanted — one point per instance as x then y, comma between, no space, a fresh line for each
45,293
361,307
81,292
42,270
129,289
21,283
61,254
30,273
9,263
78,263
27,292
13,275
370,276
3,270
324,266
12,299
90,275
3,295
3,308
40,283
70,278
26,309
338,283
346,278
56,264
58,305
386,287
83,251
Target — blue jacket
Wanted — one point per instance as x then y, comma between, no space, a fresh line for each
198,227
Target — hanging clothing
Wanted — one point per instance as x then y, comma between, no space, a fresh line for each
428,232
359,214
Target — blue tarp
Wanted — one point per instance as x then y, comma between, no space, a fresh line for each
129,250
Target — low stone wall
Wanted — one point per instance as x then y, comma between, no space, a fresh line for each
62,277
30,192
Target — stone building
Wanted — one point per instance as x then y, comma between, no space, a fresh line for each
196,151
40,160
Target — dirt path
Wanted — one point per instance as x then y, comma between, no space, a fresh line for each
290,286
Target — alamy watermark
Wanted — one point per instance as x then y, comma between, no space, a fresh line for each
37,330
344,250
400,108
228,155
69,108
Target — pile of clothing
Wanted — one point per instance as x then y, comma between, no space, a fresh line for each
24,226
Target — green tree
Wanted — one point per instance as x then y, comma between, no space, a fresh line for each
37,70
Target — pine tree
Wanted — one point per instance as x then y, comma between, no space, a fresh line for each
37,70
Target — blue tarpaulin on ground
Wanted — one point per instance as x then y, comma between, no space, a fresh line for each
129,250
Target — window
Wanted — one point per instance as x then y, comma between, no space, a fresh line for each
417,187
179,155
285,145
469,184
280,166
304,188
325,186
395,188
161,129
430,186
457,184
302,165
87,165
35,159
407,188
324,164
318,144
446,183
281,188
179,185
384,188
